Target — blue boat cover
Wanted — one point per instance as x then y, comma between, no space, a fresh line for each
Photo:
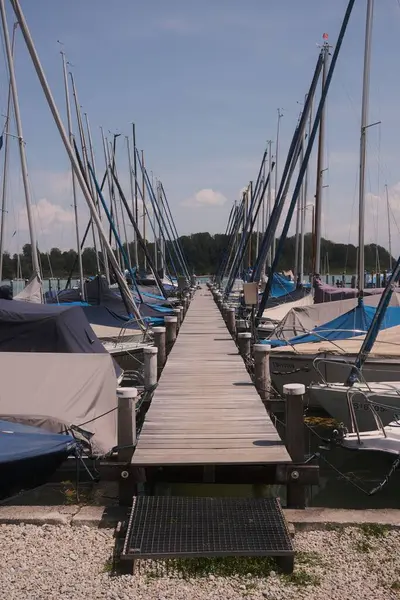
19,442
352,323
281,286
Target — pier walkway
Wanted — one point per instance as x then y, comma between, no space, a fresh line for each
206,410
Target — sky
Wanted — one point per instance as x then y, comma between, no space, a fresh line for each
203,82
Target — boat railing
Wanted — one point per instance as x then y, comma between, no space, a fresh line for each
319,360
350,395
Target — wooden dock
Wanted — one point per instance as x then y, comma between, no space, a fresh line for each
206,410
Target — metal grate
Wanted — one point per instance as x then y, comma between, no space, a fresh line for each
172,527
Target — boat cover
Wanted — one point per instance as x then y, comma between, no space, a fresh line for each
277,313
281,286
352,323
329,293
387,345
99,294
58,391
18,442
303,319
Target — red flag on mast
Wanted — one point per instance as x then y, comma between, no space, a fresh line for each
325,36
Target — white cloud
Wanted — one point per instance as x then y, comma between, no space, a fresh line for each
205,197
47,216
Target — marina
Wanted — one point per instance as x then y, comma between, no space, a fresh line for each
199,349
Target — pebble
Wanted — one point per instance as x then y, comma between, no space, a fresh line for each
59,561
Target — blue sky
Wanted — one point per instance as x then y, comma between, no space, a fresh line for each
203,81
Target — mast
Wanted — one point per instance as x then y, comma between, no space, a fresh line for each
105,260
133,200
5,167
280,115
21,143
144,211
320,164
71,153
304,200
388,219
269,199
363,142
298,218
110,148
69,122
85,161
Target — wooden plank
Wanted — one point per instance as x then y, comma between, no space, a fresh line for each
206,409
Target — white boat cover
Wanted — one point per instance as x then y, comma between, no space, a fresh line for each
56,391
32,292
304,318
277,313
387,345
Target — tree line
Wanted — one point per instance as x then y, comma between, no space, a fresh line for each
203,254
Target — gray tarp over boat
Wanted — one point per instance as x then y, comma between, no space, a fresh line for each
302,319
28,327
57,391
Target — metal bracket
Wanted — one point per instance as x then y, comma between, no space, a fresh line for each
301,474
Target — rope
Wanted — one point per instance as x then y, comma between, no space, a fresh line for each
374,490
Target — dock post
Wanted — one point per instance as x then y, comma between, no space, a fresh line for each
295,441
160,344
182,314
126,424
177,313
150,367
244,343
231,321
241,326
262,378
186,304
170,333
224,310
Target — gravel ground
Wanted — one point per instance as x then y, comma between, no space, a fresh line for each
63,562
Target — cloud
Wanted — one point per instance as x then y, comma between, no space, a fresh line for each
47,216
205,197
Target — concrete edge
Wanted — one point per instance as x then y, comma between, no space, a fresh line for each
322,519
76,516
310,519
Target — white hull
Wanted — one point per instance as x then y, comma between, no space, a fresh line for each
376,440
385,398
297,368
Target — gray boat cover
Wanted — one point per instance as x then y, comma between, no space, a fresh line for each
58,391
303,319
29,327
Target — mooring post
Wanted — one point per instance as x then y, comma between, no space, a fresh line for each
241,326
160,344
224,311
177,313
244,343
262,378
126,440
295,440
170,334
150,367
182,314
231,320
